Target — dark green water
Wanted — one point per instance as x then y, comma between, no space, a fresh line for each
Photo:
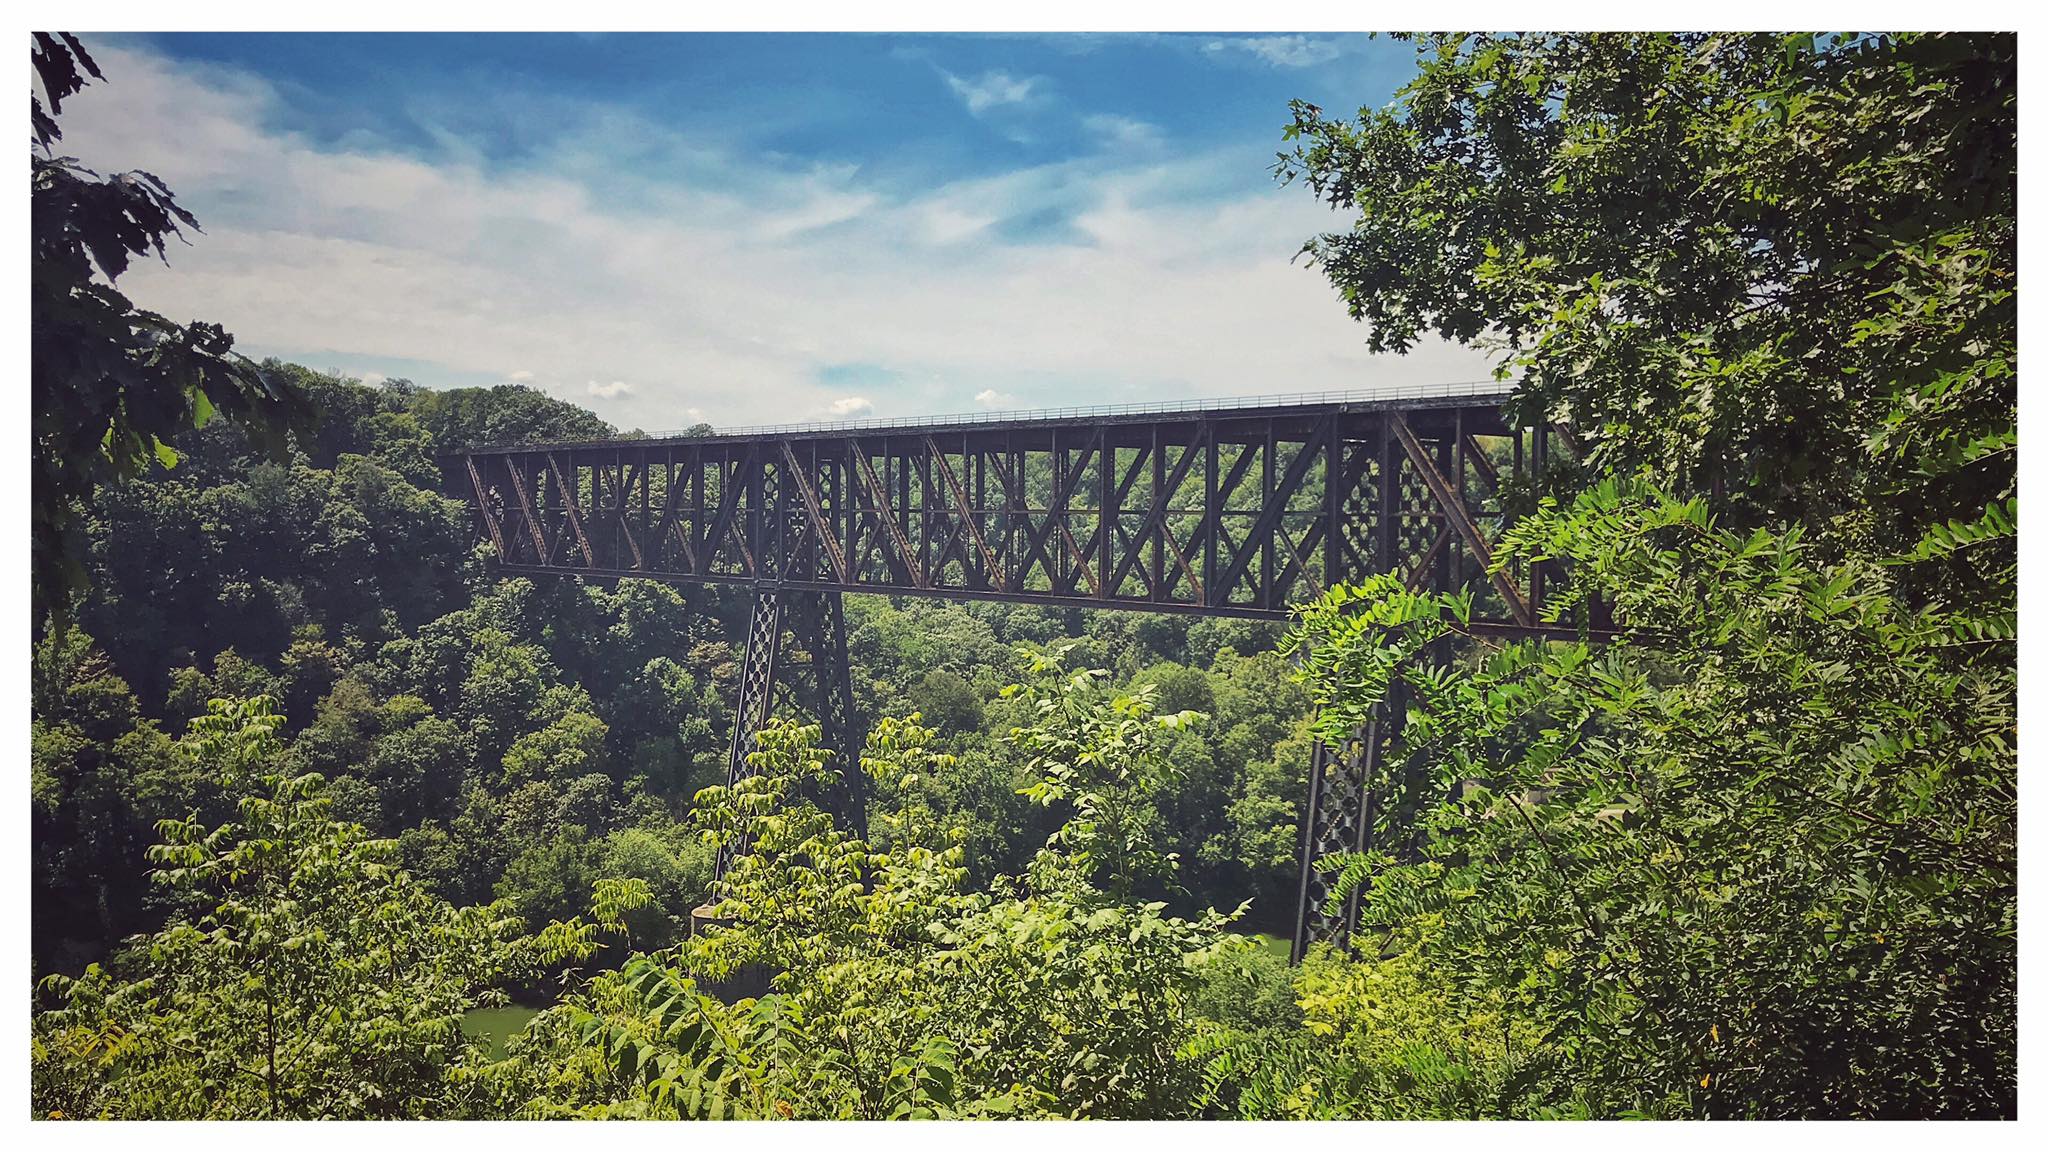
501,1024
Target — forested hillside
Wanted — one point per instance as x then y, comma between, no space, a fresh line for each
310,783
520,739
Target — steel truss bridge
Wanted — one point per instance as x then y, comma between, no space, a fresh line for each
1238,508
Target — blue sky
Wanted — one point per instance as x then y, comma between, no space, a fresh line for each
754,228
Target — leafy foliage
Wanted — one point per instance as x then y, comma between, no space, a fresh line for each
1382,1036
111,384
1104,758
1756,859
310,978
1776,270
898,992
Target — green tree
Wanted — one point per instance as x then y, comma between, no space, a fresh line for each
1756,859
947,701
1777,270
92,760
900,992
311,978
551,880
675,866
419,764
570,747
504,414
1101,755
111,384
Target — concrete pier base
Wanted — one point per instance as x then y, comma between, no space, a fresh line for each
750,982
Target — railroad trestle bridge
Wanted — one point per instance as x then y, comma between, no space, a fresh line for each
1227,508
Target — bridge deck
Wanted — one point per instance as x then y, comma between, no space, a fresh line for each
1469,393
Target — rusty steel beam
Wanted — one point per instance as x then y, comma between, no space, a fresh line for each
1478,457
991,570
883,511
1453,508
1425,567
671,522
730,486
618,488
483,504
1295,562
569,508
1155,518
542,553
1263,529
816,511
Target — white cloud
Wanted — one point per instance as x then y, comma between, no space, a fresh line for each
991,89
1280,51
849,406
702,292
1121,131
520,377
611,391
945,223
818,199
990,398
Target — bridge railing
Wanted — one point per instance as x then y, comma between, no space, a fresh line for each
1387,393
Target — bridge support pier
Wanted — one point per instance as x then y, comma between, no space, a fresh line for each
1347,795
815,679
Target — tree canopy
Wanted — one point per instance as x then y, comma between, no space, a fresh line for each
111,384
1780,271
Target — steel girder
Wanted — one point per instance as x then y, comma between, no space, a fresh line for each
1215,513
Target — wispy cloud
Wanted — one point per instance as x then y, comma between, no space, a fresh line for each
700,291
990,398
992,89
1280,51
1120,131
